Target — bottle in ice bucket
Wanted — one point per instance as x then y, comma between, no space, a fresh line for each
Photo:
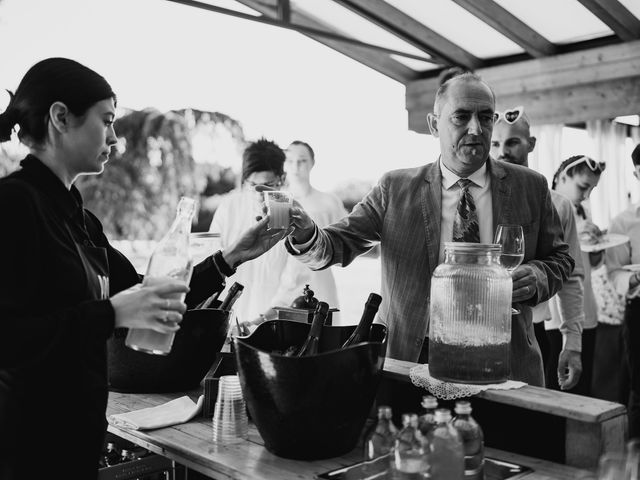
361,333
470,315
427,420
380,441
111,456
472,441
410,455
447,457
172,259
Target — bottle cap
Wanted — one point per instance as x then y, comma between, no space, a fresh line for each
463,407
429,401
442,415
384,411
409,419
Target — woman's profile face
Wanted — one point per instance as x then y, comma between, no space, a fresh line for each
578,187
90,137
298,163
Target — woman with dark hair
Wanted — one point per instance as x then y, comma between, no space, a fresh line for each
63,287
575,178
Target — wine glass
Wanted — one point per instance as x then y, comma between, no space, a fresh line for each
511,239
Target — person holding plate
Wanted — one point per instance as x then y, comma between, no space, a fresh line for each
575,178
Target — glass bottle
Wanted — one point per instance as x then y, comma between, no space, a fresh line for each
472,441
171,259
310,345
127,456
470,315
447,456
234,293
410,455
380,441
427,420
361,333
111,456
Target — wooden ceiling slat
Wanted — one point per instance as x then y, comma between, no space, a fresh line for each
616,16
509,25
411,31
380,62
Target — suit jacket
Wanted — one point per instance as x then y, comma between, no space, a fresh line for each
403,213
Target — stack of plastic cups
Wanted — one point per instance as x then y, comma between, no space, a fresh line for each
230,422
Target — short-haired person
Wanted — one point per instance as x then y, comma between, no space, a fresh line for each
267,280
411,213
63,287
563,314
627,283
575,178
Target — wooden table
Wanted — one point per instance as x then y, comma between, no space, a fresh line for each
588,428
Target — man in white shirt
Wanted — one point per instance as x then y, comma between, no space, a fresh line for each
409,213
512,142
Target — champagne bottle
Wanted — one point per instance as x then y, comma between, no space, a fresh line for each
310,345
234,293
361,333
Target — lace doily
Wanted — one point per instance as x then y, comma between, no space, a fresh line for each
420,377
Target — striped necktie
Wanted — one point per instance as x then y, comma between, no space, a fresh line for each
465,224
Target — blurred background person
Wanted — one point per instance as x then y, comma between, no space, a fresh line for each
324,208
627,284
575,178
563,315
264,279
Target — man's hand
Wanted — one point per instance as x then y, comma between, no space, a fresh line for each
302,227
569,369
524,283
254,242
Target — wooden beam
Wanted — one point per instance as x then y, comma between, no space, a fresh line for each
375,60
616,16
573,87
411,31
509,25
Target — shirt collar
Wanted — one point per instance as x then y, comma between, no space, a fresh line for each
69,201
449,179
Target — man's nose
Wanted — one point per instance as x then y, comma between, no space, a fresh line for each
474,127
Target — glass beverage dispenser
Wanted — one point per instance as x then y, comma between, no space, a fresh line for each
470,315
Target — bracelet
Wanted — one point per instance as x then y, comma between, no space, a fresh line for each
222,265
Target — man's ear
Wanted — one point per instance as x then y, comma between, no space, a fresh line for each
59,116
432,121
532,144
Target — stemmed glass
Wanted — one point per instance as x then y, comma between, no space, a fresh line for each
511,239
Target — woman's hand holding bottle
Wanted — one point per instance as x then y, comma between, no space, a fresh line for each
155,307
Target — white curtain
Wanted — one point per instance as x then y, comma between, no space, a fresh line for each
547,155
607,141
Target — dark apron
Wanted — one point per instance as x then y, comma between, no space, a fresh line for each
73,441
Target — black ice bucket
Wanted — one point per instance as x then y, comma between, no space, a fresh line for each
310,407
201,336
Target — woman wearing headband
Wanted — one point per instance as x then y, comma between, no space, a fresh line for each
63,287
576,177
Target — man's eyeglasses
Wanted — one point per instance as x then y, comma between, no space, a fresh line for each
510,116
596,167
272,184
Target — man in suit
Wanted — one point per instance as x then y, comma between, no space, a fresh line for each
411,213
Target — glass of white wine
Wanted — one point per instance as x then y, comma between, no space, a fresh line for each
511,239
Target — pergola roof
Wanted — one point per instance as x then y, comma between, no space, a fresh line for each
566,60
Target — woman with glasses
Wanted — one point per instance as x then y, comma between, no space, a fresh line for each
576,178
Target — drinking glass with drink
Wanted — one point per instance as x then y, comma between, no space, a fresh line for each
511,239
278,205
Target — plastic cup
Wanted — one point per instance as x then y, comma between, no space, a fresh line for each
278,207
230,421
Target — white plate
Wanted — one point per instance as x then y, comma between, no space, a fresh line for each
608,241
634,267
